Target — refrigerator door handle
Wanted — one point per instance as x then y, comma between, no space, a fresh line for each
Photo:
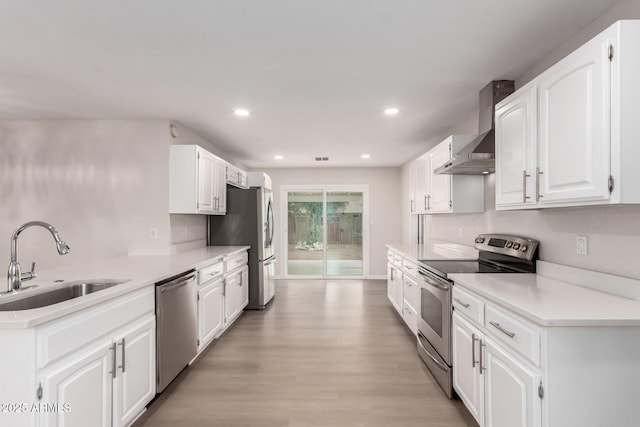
270,260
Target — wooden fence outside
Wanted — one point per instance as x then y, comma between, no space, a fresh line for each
342,228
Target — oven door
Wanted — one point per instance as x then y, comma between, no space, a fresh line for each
434,321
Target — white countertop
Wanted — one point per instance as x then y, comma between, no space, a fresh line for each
551,302
142,270
434,250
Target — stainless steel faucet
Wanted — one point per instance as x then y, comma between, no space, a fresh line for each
15,275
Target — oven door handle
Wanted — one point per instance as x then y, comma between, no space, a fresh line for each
436,361
437,284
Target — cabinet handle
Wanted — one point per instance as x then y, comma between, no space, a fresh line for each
501,329
461,303
392,274
473,350
425,202
428,202
524,186
482,368
123,356
538,173
113,361
411,206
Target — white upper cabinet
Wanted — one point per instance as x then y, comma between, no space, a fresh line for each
421,171
197,181
443,193
569,137
236,177
516,157
574,139
440,185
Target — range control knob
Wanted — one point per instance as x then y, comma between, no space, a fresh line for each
479,239
509,244
524,248
516,246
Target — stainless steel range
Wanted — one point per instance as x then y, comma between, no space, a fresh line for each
497,253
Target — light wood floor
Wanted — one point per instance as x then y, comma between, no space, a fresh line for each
324,353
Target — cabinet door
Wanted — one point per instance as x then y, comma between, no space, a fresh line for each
232,297
220,203
422,176
439,197
574,133
206,181
394,287
81,387
412,187
209,313
516,147
244,288
511,391
135,382
467,377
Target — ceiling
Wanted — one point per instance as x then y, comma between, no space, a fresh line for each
315,75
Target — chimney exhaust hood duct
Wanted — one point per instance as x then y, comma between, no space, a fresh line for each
478,157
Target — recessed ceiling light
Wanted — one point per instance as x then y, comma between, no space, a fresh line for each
241,112
391,111
365,156
278,157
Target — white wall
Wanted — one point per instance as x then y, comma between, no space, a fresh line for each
614,231
384,204
102,183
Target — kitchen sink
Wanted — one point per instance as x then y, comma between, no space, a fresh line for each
63,292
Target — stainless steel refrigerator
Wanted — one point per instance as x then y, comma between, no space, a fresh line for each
249,221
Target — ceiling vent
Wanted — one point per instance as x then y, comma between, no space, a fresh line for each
322,159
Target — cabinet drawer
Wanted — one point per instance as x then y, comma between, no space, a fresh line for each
235,261
397,260
515,333
410,291
208,273
410,316
469,305
410,267
59,338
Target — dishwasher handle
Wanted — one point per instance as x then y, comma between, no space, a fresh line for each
176,283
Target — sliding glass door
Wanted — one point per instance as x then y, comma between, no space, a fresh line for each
305,240
344,234
324,233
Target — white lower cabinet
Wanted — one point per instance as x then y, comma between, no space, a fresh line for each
210,304
467,377
223,292
107,381
411,298
209,312
236,294
83,387
498,385
394,286
511,390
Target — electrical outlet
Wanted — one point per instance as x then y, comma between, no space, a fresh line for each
582,245
153,233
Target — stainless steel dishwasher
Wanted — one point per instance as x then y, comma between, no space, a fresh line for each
176,326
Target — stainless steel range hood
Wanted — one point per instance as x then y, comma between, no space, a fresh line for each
478,157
